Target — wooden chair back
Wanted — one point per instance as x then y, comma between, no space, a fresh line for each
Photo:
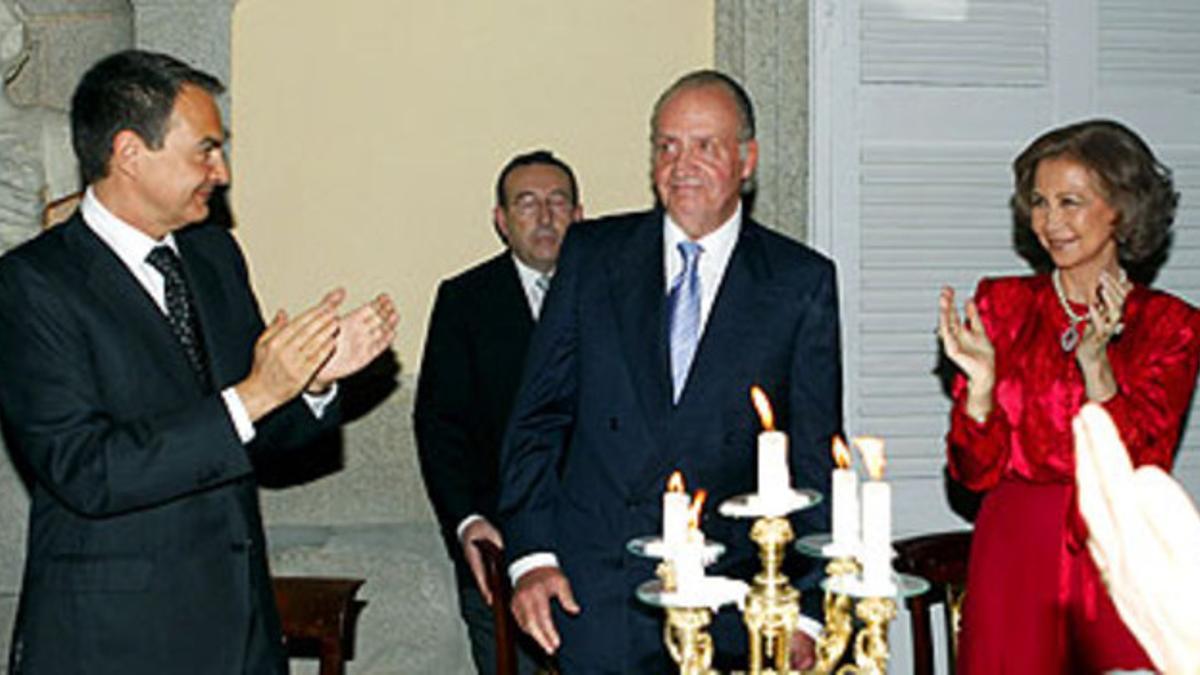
941,559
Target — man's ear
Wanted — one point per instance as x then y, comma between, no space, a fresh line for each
500,218
127,149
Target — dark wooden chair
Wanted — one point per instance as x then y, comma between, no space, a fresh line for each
504,623
941,559
318,612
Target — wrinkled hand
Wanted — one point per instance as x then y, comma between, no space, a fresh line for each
363,335
479,530
804,651
288,354
966,342
1104,320
531,604
967,345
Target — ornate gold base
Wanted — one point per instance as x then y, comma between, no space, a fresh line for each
772,611
688,643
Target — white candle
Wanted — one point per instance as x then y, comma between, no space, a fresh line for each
774,479
877,533
876,515
675,517
689,562
845,508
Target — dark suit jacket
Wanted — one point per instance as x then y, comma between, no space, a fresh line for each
146,550
474,351
594,434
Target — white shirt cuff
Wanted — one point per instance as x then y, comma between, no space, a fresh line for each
528,562
238,414
317,403
462,526
810,627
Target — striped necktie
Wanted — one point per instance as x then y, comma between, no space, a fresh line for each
683,303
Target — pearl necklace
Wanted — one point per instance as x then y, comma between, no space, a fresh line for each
1069,339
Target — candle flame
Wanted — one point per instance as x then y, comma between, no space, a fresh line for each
763,405
871,449
675,482
841,454
696,509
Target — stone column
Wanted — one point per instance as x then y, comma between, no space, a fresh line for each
764,44
196,31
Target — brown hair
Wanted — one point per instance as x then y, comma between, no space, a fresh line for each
1132,180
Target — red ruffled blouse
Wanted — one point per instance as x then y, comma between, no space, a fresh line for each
1039,387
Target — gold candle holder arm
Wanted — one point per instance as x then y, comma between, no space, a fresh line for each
835,636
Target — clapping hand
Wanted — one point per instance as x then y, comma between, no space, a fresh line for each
1104,319
363,335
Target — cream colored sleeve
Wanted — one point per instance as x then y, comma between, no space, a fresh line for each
1144,535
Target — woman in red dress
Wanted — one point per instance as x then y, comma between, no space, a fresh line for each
1031,351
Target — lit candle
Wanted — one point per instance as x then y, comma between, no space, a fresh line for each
845,498
774,478
876,515
689,556
675,511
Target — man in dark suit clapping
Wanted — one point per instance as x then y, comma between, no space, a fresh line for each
139,387
478,333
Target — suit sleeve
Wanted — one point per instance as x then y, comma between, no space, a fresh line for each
57,423
816,409
542,419
443,412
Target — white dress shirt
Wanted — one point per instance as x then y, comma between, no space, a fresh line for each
535,289
131,246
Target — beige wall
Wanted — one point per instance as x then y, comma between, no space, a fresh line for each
367,134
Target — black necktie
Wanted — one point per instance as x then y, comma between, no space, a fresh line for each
181,312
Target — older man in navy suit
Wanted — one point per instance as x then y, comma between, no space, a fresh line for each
656,327
139,387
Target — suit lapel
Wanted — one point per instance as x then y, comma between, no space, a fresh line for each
115,289
745,296
638,294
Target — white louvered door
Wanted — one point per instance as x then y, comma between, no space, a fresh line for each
919,107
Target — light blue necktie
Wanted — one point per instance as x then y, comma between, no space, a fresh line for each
683,303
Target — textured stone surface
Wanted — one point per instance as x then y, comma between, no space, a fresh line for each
64,46
764,44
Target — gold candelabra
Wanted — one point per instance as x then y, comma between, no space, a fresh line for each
684,633
772,611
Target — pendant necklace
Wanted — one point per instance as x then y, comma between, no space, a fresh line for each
1069,339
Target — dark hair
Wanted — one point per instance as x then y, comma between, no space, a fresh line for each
133,90
710,78
1132,180
529,159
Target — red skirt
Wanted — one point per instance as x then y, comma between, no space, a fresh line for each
1035,602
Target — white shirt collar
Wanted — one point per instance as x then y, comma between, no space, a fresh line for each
718,245
130,244
718,248
529,282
